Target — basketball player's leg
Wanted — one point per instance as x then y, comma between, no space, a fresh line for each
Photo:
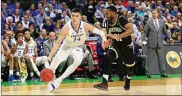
16,62
42,60
128,59
111,55
30,67
10,59
61,56
78,57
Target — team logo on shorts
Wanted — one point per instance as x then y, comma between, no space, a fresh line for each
173,59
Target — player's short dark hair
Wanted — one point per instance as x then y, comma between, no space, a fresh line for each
76,10
26,29
112,8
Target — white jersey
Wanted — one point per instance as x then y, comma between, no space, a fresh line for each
74,39
31,47
20,50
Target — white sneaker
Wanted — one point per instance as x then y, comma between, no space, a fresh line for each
53,85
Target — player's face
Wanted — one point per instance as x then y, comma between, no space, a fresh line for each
27,35
75,17
20,40
108,14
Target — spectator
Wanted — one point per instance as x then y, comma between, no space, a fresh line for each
99,14
44,3
89,11
17,16
177,35
4,10
9,21
18,7
51,13
58,16
33,31
34,12
3,18
40,17
178,19
65,17
169,23
48,44
84,18
139,16
57,29
48,26
174,28
54,4
19,26
167,13
6,28
25,21
71,4
10,5
30,18
175,11
40,40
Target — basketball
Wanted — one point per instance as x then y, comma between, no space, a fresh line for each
46,75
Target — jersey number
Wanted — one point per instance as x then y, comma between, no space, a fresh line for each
19,53
76,38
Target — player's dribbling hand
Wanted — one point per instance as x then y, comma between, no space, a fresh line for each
49,59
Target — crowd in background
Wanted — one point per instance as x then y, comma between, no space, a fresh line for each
45,18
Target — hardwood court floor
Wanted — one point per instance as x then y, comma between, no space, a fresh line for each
154,86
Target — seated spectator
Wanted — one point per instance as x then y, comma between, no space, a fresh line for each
48,44
57,29
17,16
9,21
65,17
4,10
33,31
40,17
177,35
51,13
19,26
59,16
30,18
25,21
34,12
175,11
10,4
99,14
169,23
40,40
55,5
18,7
6,28
71,4
174,28
48,26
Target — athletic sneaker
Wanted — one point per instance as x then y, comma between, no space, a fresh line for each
102,86
11,78
53,85
18,78
34,78
127,84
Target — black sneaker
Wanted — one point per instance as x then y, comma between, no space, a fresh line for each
102,86
127,84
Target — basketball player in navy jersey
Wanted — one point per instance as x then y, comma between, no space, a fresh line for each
74,35
121,47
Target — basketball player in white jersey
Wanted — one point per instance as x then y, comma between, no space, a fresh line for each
31,55
7,58
74,35
18,49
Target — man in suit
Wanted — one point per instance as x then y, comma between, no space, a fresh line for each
154,29
48,44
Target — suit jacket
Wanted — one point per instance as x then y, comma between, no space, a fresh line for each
47,45
155,36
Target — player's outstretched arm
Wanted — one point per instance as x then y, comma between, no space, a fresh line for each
63,33
90,28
